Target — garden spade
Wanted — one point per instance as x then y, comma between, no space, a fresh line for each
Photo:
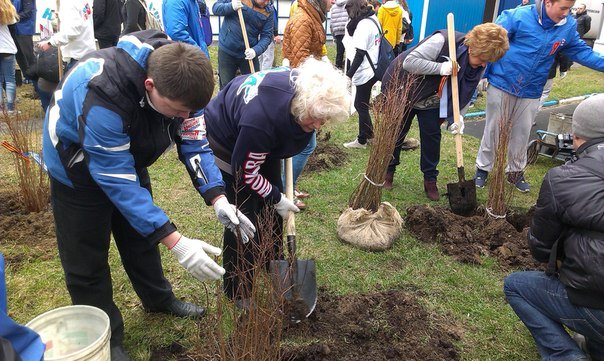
295,279
462,195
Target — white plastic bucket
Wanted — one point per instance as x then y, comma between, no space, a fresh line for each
74,333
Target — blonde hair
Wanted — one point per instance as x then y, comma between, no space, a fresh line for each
321,92
487,41
8,13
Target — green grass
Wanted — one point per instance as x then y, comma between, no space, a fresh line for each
471,296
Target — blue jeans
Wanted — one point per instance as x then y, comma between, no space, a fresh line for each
7,74
541,303
299,160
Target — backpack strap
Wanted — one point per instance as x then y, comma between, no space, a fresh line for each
374,67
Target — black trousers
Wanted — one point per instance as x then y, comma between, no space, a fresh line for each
361,104
107,43
84,221
240,260
339,51
429,133
25,52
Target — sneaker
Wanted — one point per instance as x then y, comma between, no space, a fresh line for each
481,177
355,144
300,194
431,190
301,205
517,179
410,144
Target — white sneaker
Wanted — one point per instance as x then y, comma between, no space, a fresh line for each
355,144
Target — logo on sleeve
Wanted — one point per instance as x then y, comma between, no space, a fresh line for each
193,128
250,85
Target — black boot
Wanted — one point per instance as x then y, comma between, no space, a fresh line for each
180,309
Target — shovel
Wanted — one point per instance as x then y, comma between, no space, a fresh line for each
245,40
295,279
462,195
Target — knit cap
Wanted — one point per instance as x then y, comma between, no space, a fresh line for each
588,118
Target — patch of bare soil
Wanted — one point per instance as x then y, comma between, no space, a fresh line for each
388,325
468,239
326,156
36,231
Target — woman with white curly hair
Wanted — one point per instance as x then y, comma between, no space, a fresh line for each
253,123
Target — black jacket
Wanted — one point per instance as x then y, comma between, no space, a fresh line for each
583,24
570,209
107,18
134,15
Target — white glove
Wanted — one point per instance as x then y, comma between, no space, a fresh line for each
325,59
250,54
236,4
563,74
446,68
232,219
192,255
285,62
454,128
284,206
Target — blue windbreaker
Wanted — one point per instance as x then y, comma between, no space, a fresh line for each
523,70
100,131
182,22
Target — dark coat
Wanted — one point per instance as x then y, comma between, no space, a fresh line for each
583,24
107,19
134,15
569,209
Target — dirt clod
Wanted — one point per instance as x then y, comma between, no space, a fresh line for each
326,156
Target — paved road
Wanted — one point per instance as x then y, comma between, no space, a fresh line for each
476,128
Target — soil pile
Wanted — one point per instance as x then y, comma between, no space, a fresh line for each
468,239
326,156
388,325
35,231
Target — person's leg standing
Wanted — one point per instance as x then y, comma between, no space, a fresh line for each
339,51
524,112
25,52
542,304
490,136
429,131
299,160
227,67
396,153
7,65
244,65
83,225
141,259
361,104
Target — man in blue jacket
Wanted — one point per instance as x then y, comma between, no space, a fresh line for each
537,33
182,22
113,115
232,55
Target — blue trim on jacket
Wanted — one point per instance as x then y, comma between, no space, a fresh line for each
182,22
259,28
523,70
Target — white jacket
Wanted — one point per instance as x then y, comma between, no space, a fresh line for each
76,29
366,37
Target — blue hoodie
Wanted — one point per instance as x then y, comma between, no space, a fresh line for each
523,70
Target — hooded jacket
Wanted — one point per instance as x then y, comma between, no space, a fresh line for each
304,35
523,70
182,22
339,17
390,16
569,220
258,25
101,131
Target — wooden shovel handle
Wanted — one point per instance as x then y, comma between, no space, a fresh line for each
245,40
289,193
454,86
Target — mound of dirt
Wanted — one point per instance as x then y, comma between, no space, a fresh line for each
34,230
388,325
468,239
326,156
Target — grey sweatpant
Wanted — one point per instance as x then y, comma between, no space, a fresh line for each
506,107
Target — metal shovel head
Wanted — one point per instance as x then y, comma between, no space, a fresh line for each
301,292
462,197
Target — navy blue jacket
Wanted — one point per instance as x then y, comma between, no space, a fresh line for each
249,125
258,25
26,9
100,131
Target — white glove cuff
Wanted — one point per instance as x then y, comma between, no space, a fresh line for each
180,249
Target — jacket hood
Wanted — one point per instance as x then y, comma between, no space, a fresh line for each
539,7
341,2
391,5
